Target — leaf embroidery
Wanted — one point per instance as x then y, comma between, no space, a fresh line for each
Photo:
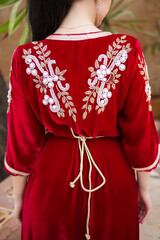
144,72
104,76
49,80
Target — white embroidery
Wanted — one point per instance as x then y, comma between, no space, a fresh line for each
144,72
49,80
148,91
147,87
9,97
104,74
9,93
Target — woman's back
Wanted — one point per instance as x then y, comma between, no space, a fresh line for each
96,86
80,122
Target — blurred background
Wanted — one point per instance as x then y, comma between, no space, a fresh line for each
139,18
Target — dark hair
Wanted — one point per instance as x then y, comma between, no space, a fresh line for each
45,16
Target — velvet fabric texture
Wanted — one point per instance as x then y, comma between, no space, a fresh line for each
98,87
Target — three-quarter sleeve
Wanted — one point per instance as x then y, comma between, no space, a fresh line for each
25,133
140,140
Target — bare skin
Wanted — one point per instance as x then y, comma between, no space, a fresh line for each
144,202
19,184
82,18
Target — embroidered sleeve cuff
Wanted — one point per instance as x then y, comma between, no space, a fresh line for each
13,171
153,165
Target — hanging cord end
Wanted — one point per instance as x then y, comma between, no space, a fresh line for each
71,184
87,236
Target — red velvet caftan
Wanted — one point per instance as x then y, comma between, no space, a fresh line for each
63,90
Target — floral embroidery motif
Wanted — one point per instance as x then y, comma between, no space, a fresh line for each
144,72
9,97
105,75
48,81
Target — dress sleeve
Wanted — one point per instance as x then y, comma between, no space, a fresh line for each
140,140
25,134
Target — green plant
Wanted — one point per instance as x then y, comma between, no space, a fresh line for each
115,18
15,20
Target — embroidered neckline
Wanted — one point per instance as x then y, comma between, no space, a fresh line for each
78,36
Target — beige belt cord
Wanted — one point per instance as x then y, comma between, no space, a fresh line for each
83,147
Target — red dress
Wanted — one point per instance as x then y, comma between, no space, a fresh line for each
80,122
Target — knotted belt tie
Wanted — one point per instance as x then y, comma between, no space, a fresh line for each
80,175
